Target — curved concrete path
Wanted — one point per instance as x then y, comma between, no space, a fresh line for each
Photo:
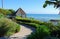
23,33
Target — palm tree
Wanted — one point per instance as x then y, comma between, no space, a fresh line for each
2,3
56,3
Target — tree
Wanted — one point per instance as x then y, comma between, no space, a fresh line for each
56,3
11,10
2,3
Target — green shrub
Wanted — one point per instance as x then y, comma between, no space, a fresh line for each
56,30
45,30
11,10
6,11
1,15
7,27
41,32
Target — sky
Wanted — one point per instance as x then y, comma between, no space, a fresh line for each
29,6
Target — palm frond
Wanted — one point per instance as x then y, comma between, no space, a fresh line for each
44,5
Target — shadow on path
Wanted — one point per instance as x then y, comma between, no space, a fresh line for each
32,28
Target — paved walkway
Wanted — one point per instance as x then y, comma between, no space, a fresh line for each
24,32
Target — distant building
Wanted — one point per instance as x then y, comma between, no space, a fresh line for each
21,13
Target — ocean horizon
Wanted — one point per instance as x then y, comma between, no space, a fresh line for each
44,17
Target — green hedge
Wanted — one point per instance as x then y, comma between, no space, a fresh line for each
30,24
8,27
27,20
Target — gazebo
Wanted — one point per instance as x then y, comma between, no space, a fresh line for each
21,13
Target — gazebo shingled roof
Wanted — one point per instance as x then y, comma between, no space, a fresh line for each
21,11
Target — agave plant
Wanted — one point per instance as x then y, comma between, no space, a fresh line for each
56,3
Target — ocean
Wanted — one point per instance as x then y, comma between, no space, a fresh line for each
44,17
